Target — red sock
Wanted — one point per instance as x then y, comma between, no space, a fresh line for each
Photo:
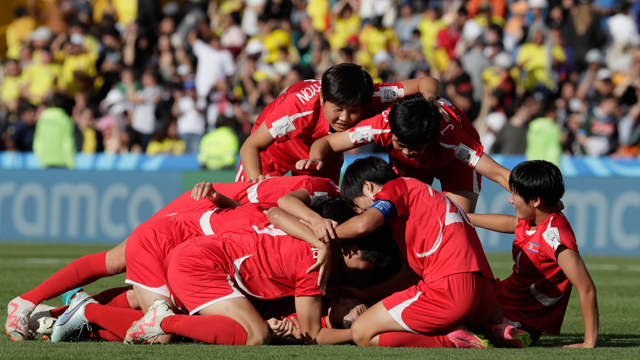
212,329
116,297
115,320
58,311
406,339
81,271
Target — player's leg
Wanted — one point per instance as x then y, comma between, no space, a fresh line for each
80,272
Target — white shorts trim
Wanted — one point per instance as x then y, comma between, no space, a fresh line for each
240,170
162,290
396,312
234,294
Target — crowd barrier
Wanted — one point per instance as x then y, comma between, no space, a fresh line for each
111,195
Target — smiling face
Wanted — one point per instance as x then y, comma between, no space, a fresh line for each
408,151
523,210
340,117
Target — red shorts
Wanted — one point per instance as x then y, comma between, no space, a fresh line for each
272,167
183,203
464,298
456,176
197,277
146,249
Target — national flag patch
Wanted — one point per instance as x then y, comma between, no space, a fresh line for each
533,247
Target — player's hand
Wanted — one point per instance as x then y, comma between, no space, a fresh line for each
257,179
323,263
201,189
579,346
281,327
307,164
323,228
443,112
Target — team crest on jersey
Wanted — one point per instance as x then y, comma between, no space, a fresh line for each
364,134
533,247
552,237
283,126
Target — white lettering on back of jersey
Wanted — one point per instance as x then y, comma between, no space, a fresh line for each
307,93
445,129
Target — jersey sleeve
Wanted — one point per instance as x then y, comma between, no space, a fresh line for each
455,139
321,190
384,95
557,232
372,130
294,111
396,192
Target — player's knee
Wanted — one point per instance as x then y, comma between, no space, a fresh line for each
360,333
259,335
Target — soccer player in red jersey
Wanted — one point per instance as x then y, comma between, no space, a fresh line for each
425,139
90,268
311,109
437,242
547,262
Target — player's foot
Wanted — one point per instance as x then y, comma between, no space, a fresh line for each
45,326
147,330
68,296
73,319
18,313
507,335
462,338
41,311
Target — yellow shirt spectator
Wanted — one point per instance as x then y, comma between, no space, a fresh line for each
318,11
374,39
277,39
126,10
167,146
73,65
17,32
11,86
343,29
41,79
491,76
428,33
534,60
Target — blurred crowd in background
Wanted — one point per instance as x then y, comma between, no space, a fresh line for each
537,77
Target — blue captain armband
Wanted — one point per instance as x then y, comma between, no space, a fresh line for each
384,206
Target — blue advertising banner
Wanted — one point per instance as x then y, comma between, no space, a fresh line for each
86,206
604,214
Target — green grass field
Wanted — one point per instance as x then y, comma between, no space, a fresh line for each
22,266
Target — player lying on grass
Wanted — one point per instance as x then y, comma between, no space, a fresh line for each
311,109
436,241
425,139
534,297
206,274
207,196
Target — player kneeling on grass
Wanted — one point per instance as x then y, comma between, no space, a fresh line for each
436,241
535,297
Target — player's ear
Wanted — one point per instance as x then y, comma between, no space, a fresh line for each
367,187
536,202
321,98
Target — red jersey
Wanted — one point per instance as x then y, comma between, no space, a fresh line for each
266,193
434,236
263,261
538,290
458,141
295,119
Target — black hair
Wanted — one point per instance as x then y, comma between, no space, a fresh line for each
20,11
537,179
376,247
336,210
347,84
415,120
370,168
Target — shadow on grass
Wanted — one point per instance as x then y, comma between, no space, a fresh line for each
604,340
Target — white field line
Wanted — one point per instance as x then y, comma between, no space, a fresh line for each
38,260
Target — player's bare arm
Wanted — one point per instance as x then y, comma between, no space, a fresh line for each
292,226
297,202
250,151
206,190
574,268
309,310
493,171
321,148
360,225
494,222
427,86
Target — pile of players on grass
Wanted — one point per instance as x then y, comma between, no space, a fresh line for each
383,260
